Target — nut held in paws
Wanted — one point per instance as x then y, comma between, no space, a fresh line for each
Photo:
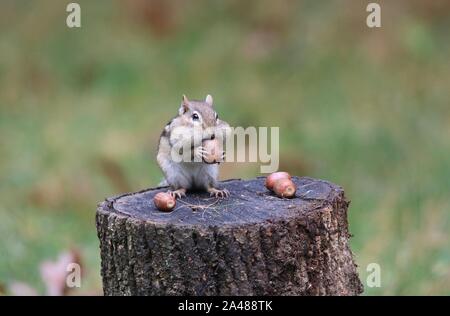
214,152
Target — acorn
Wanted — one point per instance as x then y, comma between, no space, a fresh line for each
164,201
214,152
272,178
284,188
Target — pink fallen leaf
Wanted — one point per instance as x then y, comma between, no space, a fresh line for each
17,288
54,273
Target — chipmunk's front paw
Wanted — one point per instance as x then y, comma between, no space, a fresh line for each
219,193
178,194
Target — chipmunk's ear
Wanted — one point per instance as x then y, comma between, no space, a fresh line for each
209,100
184,105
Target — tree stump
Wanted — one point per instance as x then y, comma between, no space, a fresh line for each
252,243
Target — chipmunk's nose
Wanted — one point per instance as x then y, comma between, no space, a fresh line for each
209,136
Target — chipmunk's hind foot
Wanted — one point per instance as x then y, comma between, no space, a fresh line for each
219,193
178,194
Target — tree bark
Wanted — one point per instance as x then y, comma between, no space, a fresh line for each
252,243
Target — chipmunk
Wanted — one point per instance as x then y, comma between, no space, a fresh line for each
183,135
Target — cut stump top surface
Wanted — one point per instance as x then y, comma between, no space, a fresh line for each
249,203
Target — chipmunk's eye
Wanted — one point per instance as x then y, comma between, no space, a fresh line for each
217,116
195,117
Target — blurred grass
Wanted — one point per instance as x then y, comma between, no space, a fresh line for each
82,109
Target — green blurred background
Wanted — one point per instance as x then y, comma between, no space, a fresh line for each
82,110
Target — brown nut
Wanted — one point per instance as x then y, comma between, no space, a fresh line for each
284,188
272,178
164,201
213,150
